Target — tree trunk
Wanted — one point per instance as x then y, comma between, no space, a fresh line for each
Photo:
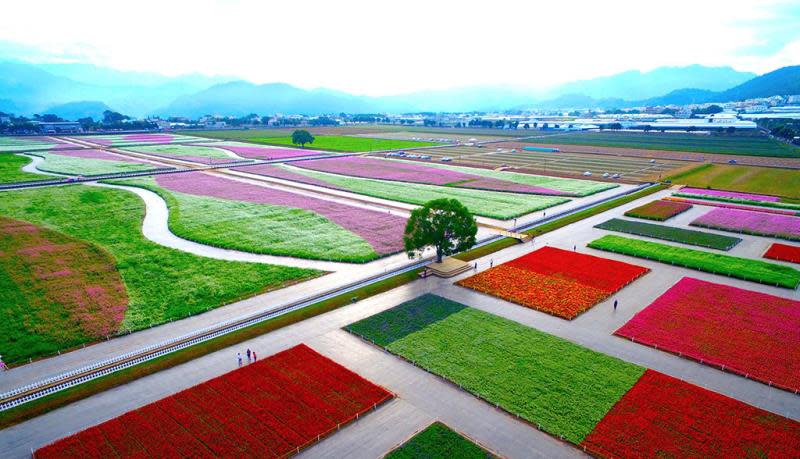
438,254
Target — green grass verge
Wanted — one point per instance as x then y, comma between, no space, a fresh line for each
577,187
726,265
162,284
668,233
749,202
11,169
565,388
746,179
51,402
258,228
493,204
439,442
501,244
750,145
69,165
345,143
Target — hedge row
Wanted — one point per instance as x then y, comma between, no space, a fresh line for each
668,233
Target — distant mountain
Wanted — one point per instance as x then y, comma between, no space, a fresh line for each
636,85
784,81
77,110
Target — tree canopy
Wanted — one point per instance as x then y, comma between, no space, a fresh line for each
444,224
302,137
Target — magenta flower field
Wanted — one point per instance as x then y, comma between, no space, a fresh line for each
730,194
756,223
383,231
381,169
731,206
742,331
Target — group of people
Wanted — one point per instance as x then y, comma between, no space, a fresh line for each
250,355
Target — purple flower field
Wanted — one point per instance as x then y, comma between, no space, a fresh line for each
383,231
757,223
149,138
256,152
415,173
278,172
730,194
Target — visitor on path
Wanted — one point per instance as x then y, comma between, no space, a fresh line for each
248,354
491,263
254,356
239,358
475,268
2,364
574,248
615,305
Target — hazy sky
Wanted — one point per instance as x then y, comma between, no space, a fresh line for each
377,48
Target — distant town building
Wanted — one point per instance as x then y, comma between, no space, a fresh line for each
59,127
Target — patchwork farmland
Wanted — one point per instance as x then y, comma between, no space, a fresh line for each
560,346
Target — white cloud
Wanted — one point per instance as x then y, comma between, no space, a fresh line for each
373,47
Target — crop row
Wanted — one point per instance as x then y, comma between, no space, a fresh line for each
731,206
555,281
755,223
750,202
783,252
267,409
716,263
668,233
659,210
438,441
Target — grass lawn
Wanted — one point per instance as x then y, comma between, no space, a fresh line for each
438,442
491,204
577,187
11,169
69,165
725,265
716,143
565,388
746,179
345,143
162,284
258,228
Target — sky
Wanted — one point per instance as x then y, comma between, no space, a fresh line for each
385,48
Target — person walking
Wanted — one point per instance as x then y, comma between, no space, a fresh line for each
248,354
574,248
475,268
491,263
2,364
615,305
239,358
254,356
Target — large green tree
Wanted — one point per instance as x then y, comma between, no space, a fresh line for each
444,224
302,137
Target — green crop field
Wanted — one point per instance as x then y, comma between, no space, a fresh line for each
162,284
345,143
725,265
491,204
69,165
546,380
439,442
668,233
11,169
258,228
746,179
715,143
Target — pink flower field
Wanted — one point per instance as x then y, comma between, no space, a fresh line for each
731,206
381,169
742,331
383,231
756,223
256,152
99,154
278,172
730,194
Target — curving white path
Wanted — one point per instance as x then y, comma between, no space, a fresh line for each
155,228
33,166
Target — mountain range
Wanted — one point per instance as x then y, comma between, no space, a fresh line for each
78,90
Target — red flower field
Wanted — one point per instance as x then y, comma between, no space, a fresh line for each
659,210
270,408
783,252
665,417
747,332
556,281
